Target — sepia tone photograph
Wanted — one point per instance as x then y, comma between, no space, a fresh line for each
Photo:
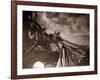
55,39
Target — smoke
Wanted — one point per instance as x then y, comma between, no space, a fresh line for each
72,27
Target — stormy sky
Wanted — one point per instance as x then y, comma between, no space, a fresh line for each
72,27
